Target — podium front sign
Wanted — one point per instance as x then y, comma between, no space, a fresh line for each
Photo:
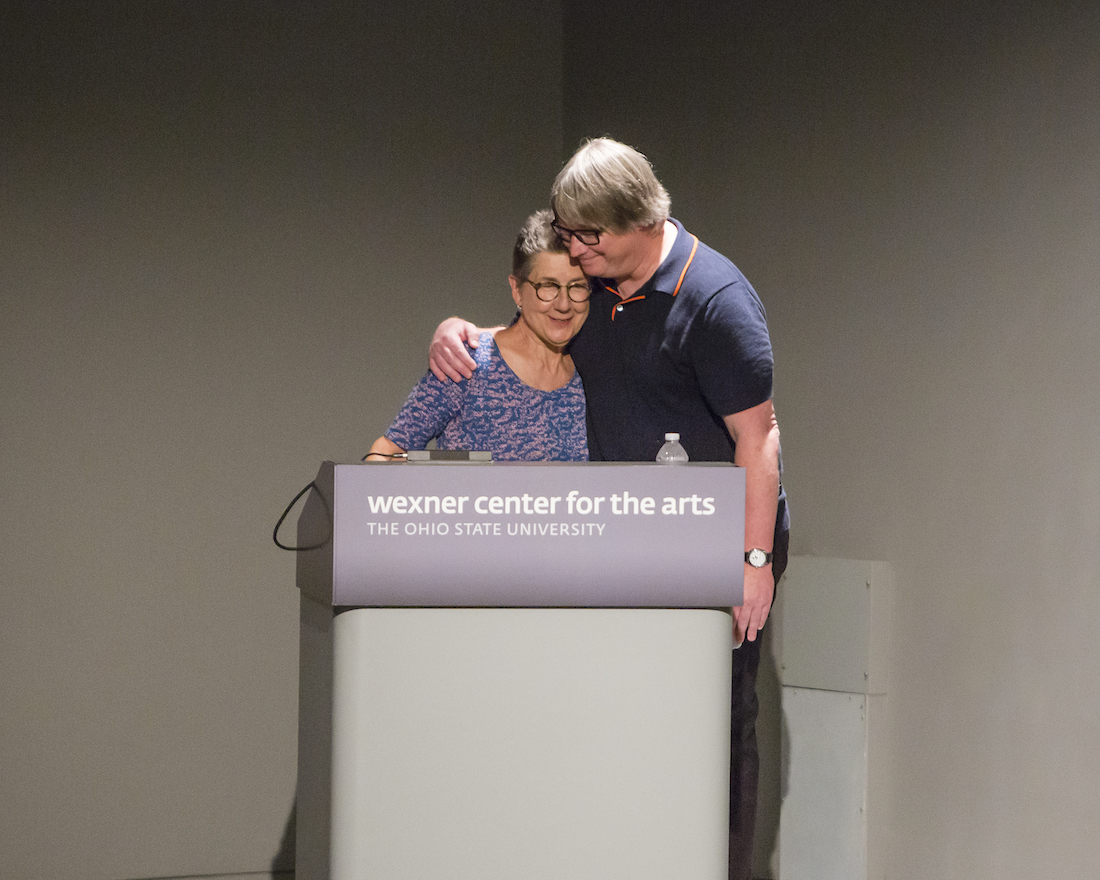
535,534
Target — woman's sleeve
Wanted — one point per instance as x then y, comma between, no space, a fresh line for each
427,411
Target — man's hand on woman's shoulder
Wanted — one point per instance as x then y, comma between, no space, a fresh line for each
447,356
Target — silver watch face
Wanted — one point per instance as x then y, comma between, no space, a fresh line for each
758,558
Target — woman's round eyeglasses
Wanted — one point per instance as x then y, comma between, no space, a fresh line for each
548,291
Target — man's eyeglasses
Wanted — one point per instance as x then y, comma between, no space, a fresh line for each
547,291
589,237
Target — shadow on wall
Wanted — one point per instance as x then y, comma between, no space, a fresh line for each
283,863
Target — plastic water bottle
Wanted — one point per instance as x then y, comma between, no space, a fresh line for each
672,452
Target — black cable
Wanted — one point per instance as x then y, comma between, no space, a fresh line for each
294,500
289,507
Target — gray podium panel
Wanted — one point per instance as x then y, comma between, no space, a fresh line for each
534,743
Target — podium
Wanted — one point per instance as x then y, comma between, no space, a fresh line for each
516,670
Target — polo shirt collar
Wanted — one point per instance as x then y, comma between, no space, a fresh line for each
667,275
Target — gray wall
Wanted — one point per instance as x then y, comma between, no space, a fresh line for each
226,232
913,189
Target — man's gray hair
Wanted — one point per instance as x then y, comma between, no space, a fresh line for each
608,185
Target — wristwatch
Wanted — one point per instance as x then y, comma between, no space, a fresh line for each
757,558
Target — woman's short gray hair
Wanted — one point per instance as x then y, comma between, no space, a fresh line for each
535,237
608,185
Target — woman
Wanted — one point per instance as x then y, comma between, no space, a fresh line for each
525,402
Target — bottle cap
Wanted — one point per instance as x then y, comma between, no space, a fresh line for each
672,435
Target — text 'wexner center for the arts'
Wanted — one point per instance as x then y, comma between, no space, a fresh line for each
542,505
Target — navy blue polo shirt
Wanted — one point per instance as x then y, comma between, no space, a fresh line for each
687,349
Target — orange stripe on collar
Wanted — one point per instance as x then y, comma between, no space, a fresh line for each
694,248
618,307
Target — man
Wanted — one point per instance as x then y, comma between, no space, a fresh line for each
676,340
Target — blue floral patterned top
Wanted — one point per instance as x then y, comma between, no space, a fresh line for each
495,411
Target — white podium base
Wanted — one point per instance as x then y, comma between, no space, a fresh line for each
530,743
